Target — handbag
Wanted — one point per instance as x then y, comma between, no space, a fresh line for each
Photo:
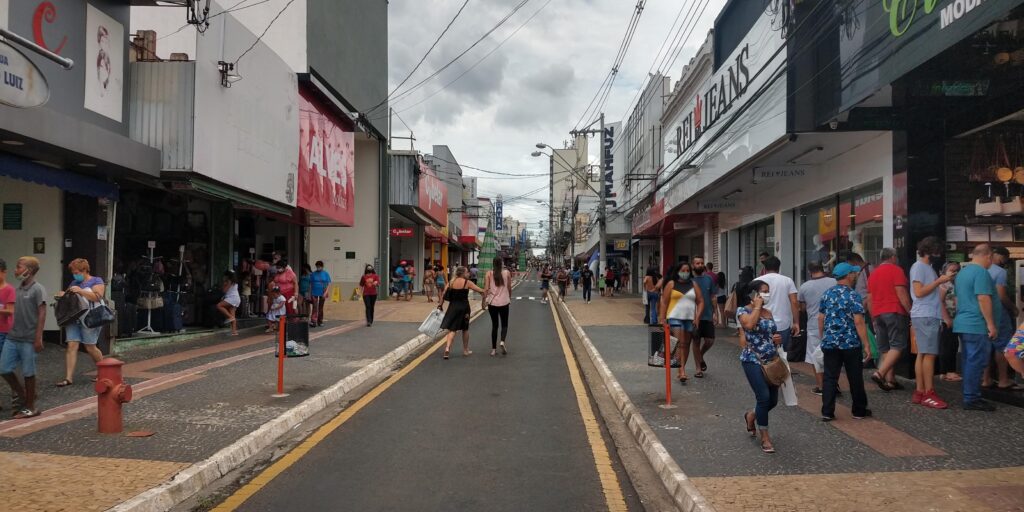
776,371
432,324
99,316
69,308
988,207
730,306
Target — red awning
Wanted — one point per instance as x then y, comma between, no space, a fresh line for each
434,235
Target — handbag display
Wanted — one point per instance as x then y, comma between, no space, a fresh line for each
776,371
69,308
151,302
99,316
991,206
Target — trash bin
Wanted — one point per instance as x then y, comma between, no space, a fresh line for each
656,347
296,336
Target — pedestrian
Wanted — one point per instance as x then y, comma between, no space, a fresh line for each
399,276
304,289
1014,351
609,281
704,329
575,278
1007,314
409,279
497,297
562,278
927,315
809,295
890,305
368,283
429,283
7,297
276,308
783,302
319,287
949,347
474,272
545,284
457,317
721,293
25,339
762,259
844,337
759,342
681,305
287,283
229,302
740,287
91,288
625,277
652,285
977,315
440,280
587,280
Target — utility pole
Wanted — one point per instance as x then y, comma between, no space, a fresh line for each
602,193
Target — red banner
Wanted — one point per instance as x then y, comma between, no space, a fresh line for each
326,163
402,232
433,195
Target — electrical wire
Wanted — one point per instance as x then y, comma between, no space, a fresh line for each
271,24
233,8
627,38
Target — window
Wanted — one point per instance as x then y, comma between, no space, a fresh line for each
847,222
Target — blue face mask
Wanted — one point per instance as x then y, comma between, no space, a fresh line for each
78,278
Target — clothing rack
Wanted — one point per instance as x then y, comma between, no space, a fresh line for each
148,329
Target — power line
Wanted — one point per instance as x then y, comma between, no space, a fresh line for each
627,38
271,24
225,11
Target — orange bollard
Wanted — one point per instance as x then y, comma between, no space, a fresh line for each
111,392
280,358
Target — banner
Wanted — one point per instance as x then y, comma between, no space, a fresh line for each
433,194
104,63
326,163
498,221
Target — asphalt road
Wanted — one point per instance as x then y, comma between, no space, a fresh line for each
476,433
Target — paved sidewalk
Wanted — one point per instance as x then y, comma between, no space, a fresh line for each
905,458
196,398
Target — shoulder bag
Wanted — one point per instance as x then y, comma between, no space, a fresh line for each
69,308
775,370
99,316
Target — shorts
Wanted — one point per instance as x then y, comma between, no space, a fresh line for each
1005,330
544,285
428,287
77,331
721,300
706,329
18,354
926,334
813,342
232,300
609,283
892,331
1015,348
686,325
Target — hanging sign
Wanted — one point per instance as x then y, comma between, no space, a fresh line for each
402,232
777,173
498,226
23,85
717,205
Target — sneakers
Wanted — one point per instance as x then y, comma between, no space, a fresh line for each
817,391
918,396
865,414
979,405
825,417
932,401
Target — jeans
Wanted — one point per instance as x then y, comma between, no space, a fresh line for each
767,396
652,303
368,300
316,310
787,338
977,350
499,314
586,291
835,361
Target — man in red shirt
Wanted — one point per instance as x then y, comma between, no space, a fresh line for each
889,296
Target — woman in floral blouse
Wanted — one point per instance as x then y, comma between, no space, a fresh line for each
949,343
759,340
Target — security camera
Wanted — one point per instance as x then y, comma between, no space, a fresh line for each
833,124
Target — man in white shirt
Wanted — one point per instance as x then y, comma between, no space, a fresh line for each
782,301
809,296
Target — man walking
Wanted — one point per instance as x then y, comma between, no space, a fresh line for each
545,284
587,280
704,330
782,301
844,338
975,322
926,316
809,295
562,278
319,287
25,338
1007,314
890,306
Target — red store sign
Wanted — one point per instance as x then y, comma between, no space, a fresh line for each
402,232
433,197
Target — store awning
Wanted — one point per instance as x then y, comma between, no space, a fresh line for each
434,235
27,170
203,186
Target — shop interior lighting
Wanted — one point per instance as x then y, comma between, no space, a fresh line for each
13,142
87,165
805,153
48,164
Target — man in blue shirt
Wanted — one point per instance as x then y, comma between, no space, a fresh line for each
704,331
843,342
977,316
1006,324
319,287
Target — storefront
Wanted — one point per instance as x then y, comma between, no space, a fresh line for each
419,209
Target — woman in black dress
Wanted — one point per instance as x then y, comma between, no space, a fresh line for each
457,316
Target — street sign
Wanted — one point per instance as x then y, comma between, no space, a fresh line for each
22,85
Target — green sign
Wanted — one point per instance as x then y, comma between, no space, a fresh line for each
12,216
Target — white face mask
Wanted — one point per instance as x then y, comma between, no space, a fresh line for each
765,296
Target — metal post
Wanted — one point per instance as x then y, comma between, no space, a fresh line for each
601,209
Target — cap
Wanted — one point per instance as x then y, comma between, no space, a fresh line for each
843,269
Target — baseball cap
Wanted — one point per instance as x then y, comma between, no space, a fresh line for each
843,269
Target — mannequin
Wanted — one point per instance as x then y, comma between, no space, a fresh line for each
826,257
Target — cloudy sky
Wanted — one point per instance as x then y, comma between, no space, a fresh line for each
535,87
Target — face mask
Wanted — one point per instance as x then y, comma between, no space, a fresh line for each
698,270
765,296
22,276
685,276
78,278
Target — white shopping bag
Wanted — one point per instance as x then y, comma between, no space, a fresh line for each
819,360
788,391
432,324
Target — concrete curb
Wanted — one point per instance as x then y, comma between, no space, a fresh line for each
678,485
201,475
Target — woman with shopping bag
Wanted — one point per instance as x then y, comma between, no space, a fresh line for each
457,317
761,362
92,289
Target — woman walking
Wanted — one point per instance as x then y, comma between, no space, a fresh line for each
497,299
91,288
681,304
759,340
429,283
457,317
304,281
368,284
440,281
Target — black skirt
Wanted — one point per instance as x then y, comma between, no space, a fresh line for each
456,318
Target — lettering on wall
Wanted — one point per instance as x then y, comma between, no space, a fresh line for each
609,166
46,13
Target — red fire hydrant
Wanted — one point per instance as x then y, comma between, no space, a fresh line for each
111,392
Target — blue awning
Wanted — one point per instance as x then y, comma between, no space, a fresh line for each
27,170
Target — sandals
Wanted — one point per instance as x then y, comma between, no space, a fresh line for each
699,375
746,424
880,382
1011,387
446,354
767,448
683,379
26,413
64,383
703,367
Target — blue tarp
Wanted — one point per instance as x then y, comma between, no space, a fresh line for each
27,170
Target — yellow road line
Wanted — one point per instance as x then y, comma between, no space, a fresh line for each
606,473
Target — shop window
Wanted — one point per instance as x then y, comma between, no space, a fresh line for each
848,222
757,238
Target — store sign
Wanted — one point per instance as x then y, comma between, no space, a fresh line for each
621,245
433,194
326,162
717,205
883,40
24,85
403,232
778,173
498,220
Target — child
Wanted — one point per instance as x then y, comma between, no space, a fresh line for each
228,305
276,304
